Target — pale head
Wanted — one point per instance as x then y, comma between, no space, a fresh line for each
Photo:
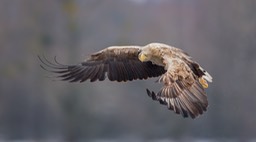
144,54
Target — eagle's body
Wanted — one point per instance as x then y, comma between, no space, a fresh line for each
183,79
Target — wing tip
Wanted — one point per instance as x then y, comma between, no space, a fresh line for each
185,101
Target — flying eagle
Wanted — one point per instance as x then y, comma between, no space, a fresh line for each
183,79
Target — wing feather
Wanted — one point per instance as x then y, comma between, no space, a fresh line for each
94,75
112,74
181,101
77,76
133,74
69,75
182,91
129,71
101,74
120,72
117,63
86,74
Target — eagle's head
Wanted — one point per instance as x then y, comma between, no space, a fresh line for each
143,57
145,54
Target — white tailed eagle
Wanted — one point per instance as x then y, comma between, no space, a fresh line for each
183,79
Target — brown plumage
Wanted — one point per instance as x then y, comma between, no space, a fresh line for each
183,79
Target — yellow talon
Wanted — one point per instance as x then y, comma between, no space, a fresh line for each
203,82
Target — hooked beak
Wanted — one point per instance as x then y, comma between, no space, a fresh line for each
142,57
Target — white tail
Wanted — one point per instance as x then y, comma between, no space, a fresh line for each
206,75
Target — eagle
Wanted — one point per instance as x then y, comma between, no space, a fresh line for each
184,80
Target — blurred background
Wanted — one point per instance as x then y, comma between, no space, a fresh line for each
220,35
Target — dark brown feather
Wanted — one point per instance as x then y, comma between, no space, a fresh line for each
87,73
119,64
181,97
194,67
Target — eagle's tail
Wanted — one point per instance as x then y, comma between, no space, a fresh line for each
200,72
204,78
206,75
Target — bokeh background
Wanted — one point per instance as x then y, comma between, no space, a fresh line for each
220,35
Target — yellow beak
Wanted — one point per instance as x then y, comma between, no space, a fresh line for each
142,57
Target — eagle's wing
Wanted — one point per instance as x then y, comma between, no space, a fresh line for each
182,91
117,63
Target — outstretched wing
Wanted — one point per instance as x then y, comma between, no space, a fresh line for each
182,91
117,63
